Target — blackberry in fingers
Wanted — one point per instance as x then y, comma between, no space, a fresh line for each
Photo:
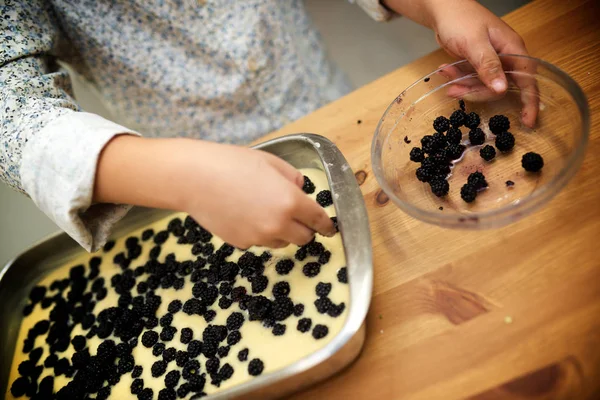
532,162
441,124
476,136
499,124
505,142
487,152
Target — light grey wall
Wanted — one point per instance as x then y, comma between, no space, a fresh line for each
364,49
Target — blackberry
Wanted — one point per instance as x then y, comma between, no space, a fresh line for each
235,321
158,349
324,257
108,246
183,390
259,283
255,367
194,348
167,394
430,164
278,329
35,355
439,187
161,237
281,289
137,371
441,124
311,269
234,337
416,154
19,387
126,364
335,223
505,141
225,372
532,162
472,121
468,193
178,283
487,152
320,331
455,151
151,323
137,386
154,252
258,308
454,135
41,327
426,143
304,325
342,275
315,248
212,365
158,368
196,384
172,378
37,294
237,293
461,104
174,306
298,310
243,355
147,234
167,333
499,124
146,394
283,267
458,118
308,187
324,198
225,303
27,310
336,310
438,141
323,289
510,183
78,342
51,360
322,304
301,254
424,174
186,335
166,320
46,388
476,136
223,351
149,338
477,180
193,306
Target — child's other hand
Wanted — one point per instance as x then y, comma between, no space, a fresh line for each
466,29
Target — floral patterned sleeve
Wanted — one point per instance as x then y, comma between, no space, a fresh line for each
48,146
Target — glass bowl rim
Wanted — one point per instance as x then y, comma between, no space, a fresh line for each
526,204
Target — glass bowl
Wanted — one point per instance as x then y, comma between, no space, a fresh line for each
559,133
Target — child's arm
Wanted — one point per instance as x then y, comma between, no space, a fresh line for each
245,196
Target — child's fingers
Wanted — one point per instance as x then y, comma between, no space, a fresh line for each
482,56
290,173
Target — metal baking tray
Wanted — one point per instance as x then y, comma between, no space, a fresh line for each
302,151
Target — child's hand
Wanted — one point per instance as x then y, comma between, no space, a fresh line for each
254,198
247,197
465,29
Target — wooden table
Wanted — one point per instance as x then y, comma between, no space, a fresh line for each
505,313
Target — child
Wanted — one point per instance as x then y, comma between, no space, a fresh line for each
227,72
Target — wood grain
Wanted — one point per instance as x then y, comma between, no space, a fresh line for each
506,313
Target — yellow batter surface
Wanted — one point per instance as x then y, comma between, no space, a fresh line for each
275,351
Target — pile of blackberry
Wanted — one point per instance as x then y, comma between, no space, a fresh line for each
440,149
135,321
